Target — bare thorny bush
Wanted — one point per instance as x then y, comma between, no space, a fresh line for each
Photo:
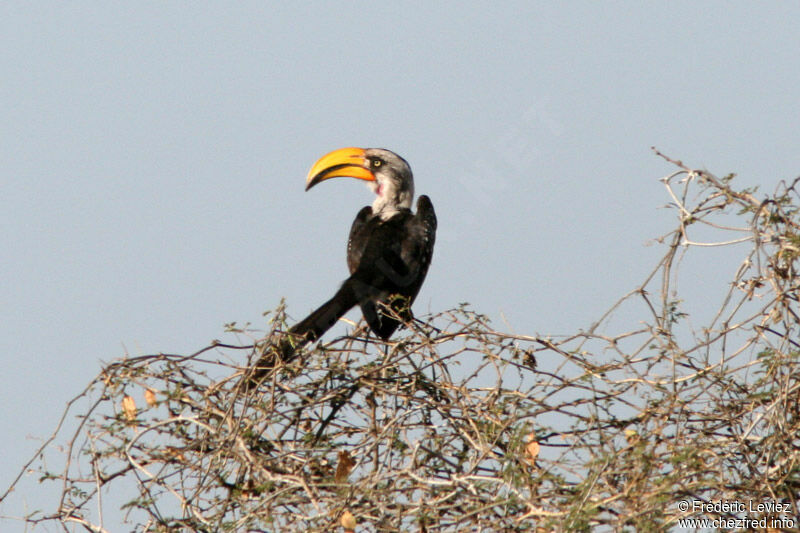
456,425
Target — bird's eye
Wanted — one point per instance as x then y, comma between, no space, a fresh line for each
376,163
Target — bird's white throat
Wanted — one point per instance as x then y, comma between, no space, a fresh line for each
389,200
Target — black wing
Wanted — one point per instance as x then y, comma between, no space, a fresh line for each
394,261
387,259
358,238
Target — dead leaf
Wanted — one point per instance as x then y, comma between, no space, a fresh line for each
348,522
631,436
175,453
343,467
532,449
129,407
150,397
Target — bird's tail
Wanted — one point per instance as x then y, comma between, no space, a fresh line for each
307,330
314,325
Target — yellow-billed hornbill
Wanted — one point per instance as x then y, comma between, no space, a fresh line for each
389,249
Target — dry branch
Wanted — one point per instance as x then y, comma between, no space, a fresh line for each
457,426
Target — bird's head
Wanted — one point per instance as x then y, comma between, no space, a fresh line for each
389,175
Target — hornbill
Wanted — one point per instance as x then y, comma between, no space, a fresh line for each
388,252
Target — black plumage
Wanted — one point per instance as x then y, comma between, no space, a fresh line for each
388,261
391,258
388,252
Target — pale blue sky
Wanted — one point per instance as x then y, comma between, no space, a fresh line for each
153,159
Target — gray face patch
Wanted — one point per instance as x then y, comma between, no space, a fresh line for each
394,186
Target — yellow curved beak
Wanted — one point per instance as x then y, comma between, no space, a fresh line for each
341,163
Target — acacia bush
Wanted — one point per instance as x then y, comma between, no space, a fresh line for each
457,426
